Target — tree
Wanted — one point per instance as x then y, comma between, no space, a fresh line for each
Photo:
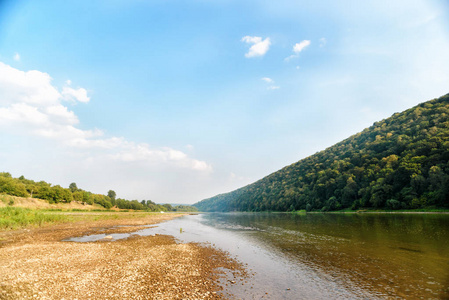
61,194
112,195
168,207
10,186
78,196
73,188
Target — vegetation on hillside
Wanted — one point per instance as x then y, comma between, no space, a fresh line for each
22,187
399,163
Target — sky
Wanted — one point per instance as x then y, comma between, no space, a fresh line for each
176,101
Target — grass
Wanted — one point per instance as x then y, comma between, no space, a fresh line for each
299,212
17,217
38,213
9,200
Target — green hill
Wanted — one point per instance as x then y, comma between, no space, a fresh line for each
398,163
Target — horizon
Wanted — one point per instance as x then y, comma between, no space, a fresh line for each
178,102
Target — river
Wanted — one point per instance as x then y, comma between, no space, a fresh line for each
327,256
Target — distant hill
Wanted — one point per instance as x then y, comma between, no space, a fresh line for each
398,163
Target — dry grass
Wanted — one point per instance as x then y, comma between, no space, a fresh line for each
34,203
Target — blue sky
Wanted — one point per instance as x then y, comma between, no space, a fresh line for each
176,101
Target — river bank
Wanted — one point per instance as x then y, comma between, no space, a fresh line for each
37,264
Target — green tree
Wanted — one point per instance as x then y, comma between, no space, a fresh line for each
12,187
73,188
78,196
112,194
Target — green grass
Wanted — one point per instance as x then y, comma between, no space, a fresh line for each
17,217
299,212
7,199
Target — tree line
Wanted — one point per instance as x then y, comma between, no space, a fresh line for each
398,163
22,187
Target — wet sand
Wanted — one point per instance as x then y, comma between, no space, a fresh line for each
37,264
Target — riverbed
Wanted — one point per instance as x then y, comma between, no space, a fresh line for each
326,256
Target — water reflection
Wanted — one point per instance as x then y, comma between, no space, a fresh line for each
405,255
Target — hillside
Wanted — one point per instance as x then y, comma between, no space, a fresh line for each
398,163
34,203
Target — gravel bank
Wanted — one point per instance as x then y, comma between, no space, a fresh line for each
36,264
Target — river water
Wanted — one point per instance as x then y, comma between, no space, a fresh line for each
326,256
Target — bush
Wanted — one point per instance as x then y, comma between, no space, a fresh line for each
12,187
308,207
394,204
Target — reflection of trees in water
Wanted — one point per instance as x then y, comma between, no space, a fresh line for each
395,254
445,293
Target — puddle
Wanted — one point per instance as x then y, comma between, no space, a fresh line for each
111,237
99,237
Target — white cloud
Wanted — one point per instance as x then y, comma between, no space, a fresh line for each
143,153
259,47
71,94
22,113
16,57
32,87
31,106
297,48
271,82
60,114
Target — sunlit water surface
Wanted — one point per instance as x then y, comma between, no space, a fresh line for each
325,256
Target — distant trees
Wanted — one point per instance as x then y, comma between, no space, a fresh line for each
23,187
10,186
398,163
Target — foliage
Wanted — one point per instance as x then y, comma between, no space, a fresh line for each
398,163
23,187
11,186
73,187
112,195
185,208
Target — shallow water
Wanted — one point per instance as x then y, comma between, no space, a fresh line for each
322,256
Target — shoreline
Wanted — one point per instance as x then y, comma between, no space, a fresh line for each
36,263
329,212
379,212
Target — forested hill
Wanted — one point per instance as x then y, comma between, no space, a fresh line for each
399,163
